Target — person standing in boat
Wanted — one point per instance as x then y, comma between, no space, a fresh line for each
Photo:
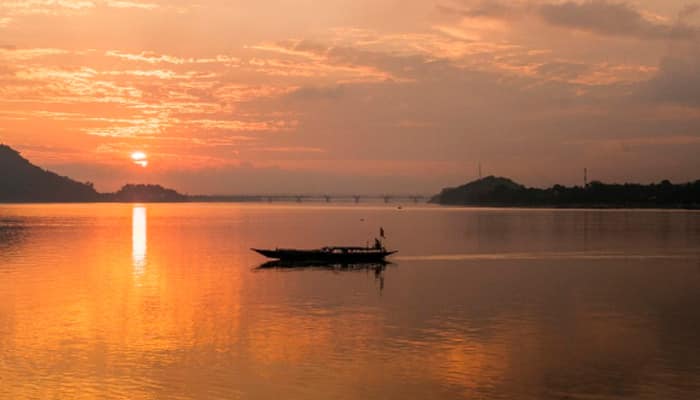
377,242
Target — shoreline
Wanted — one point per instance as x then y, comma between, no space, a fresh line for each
601,207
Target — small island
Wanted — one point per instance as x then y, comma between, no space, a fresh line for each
145,194
495,191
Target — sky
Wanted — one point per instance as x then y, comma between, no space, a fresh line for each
351,96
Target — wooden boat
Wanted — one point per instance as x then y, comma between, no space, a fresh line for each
329,255
332,255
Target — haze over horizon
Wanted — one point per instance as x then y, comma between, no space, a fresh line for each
371,96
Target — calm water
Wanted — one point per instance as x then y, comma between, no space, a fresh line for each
164,302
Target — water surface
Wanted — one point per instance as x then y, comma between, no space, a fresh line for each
118,301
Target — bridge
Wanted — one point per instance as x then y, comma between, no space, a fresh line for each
323,198
355,198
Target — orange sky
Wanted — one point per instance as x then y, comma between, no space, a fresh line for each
226,96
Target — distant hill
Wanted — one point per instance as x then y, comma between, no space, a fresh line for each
23,182
488,190
147,194
497,191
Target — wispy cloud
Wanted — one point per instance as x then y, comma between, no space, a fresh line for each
45,7
131,4
295,149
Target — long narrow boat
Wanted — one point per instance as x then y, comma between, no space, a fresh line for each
329,254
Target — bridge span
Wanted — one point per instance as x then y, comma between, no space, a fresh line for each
318,198
355,198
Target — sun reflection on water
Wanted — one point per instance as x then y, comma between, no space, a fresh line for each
139,238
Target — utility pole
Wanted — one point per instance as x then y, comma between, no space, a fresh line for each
585,178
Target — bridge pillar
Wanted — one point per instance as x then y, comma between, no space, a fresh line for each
357,199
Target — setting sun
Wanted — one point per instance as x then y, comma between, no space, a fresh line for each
140,158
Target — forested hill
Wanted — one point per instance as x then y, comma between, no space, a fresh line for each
21,181
497,191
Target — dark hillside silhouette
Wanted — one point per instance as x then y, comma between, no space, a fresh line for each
497,191
21,181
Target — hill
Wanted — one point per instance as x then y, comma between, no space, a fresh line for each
496,191
488,190
146,194
21,181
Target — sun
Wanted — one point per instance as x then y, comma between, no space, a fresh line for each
140,158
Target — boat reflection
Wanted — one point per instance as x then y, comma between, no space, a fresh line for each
377,267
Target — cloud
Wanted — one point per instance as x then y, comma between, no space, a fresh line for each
303,59
7,71
481,9
601,17
318,92
678,80
16,54
687,12
612,18
295,149
146,57
131,4
45,7
563,70
12,11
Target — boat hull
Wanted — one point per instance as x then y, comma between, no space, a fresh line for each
279,264
327,257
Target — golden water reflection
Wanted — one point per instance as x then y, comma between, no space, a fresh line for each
139,238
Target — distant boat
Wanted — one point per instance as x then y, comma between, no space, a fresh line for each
329,255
